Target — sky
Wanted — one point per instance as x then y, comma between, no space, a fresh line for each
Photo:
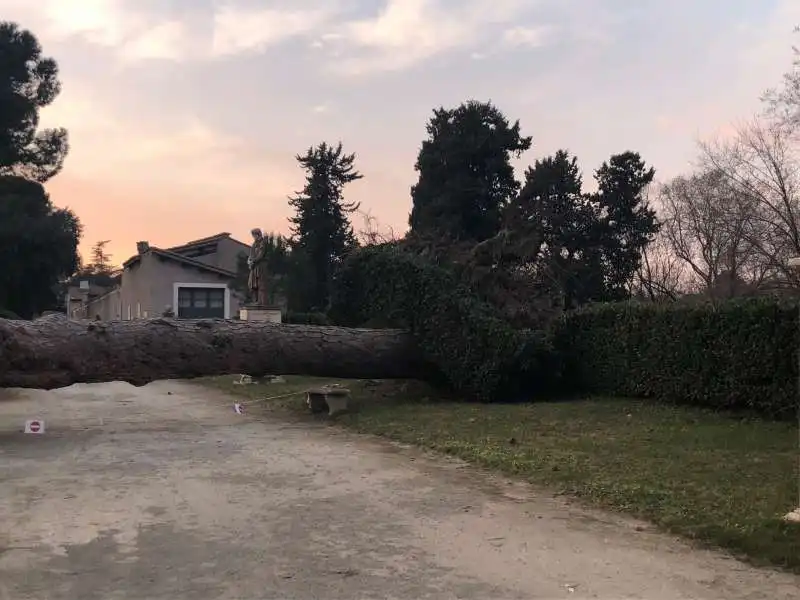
185,116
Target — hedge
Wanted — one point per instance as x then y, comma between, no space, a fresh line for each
479,354
306,318
738,355
7,314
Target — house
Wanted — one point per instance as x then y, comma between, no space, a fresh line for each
194,280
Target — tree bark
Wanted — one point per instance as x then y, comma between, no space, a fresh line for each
53,352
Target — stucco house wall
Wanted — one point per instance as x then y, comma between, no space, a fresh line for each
227,254
107,307
151,280
150,285
221,251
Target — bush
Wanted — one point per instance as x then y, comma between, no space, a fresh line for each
739,355
306,318
478,353
7,314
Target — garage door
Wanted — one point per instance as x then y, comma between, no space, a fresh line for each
201,303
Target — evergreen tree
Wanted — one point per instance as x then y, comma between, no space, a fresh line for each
627,222
38,242
101,260
465,173
38,247
321,230
28,83
553,210
588,246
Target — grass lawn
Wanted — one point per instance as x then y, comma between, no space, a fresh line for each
711,477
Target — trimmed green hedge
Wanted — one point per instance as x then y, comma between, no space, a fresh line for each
479,354
738,355
7,314
306,318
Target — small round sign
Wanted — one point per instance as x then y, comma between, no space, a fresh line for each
34,426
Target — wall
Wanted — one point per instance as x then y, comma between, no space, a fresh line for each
148,285
107,307
85,304
226,256
228,252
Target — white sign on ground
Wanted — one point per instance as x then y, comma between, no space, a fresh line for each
34,426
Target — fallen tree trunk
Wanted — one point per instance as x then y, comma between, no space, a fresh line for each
53,352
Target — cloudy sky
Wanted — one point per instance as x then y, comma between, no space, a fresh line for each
185,115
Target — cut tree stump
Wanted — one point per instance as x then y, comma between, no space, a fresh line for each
53,352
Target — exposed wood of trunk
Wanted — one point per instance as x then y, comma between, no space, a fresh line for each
53,352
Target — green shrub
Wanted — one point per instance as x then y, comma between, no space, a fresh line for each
738,355
478,353
306,318
7,314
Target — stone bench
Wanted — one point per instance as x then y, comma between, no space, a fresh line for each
335,399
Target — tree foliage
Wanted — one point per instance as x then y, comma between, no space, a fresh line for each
587,246
101,259
38,247
321,230
28,83
477,352
465,173
553,210
627,222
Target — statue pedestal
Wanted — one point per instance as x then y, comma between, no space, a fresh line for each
254,312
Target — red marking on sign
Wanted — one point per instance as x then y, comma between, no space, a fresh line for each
35,426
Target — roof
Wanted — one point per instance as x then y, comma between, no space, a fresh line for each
205,240
170,255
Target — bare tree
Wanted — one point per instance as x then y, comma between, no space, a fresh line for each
707,223
372,233
763,168
661,275
783,103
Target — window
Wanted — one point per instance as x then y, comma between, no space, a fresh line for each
216,298
184,297
201,302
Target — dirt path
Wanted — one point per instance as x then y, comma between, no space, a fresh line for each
163,492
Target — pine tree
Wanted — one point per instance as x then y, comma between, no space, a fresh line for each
321,230
101,260
28,83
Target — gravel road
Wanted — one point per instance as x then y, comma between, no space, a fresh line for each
163,492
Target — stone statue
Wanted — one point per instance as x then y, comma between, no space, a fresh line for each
257,263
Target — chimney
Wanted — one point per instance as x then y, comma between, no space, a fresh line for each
142,247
